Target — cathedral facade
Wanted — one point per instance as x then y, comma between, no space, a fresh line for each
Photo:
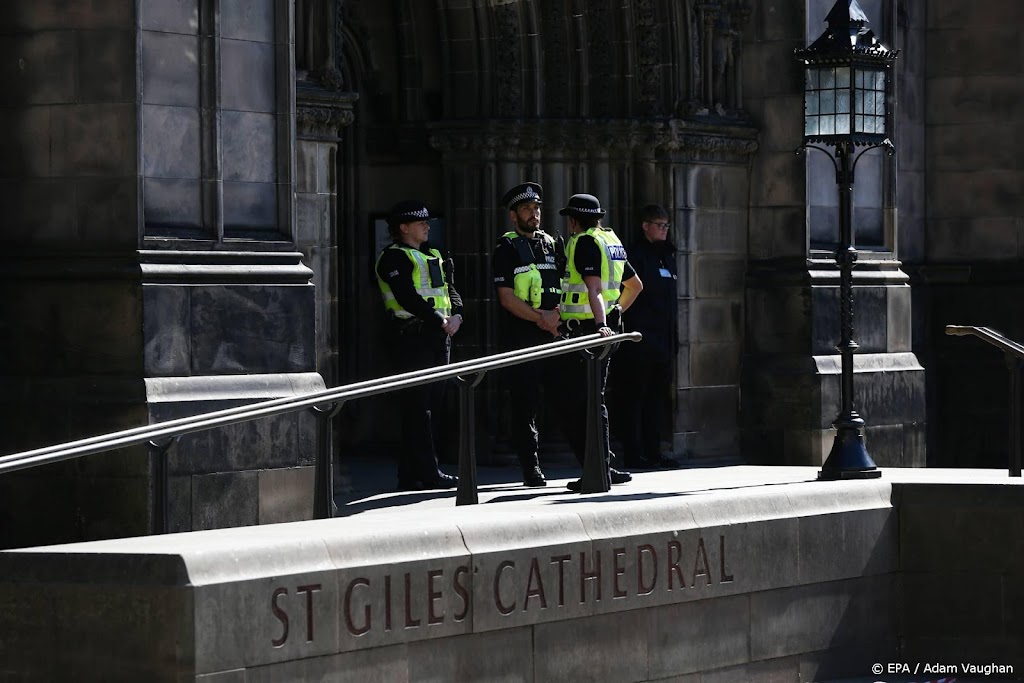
194,193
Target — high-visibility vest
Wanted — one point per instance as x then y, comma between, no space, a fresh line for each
433,289
531,280
575,297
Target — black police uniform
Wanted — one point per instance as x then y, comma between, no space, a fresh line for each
640,415
587,260
414,344
528,382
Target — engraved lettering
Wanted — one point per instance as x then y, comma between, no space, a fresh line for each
309,590
537,592
462,592
349,621
724,577
561,560
281,615
387,603
673,565
619,569
409,621
701,554
641,587
588,576
507,564
435,595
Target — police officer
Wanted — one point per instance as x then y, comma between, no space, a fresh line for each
599,283
639,416
424,313
527,265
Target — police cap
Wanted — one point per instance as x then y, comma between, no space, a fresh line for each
527,192
582,205
409,211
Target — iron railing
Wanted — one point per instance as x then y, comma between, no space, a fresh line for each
1014,354
325,404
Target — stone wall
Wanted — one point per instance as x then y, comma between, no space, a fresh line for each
969,264
788,583
150,241
791,367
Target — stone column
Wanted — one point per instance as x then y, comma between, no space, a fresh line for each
321,116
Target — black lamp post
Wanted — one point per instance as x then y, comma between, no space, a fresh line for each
847,81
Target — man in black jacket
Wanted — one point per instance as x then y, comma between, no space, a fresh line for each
528,265
648,364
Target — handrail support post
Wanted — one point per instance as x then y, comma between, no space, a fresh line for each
595,477
1014,365
160,521
467,493
324,506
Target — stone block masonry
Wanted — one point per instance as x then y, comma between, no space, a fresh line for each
796,581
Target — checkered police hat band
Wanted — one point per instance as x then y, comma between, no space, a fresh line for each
529,193
578,209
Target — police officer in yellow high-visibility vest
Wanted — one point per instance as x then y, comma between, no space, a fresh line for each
424,313
528,265
599,284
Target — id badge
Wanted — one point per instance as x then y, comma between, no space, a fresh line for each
664,272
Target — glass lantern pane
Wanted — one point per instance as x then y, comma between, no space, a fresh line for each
858,103
828,101
842,101
880,80
869,102
843,77
880,104
828,78
858,124
812,79
811,125
811,103
843,125
859,78
880,125
827,125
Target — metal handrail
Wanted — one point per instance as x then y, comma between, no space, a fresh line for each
987,334
171,430
1014,353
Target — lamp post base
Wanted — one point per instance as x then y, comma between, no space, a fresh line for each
849,458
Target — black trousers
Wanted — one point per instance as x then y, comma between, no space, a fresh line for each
640,386
531,387
574,405
419,408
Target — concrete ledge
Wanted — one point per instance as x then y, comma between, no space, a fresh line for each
785,576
